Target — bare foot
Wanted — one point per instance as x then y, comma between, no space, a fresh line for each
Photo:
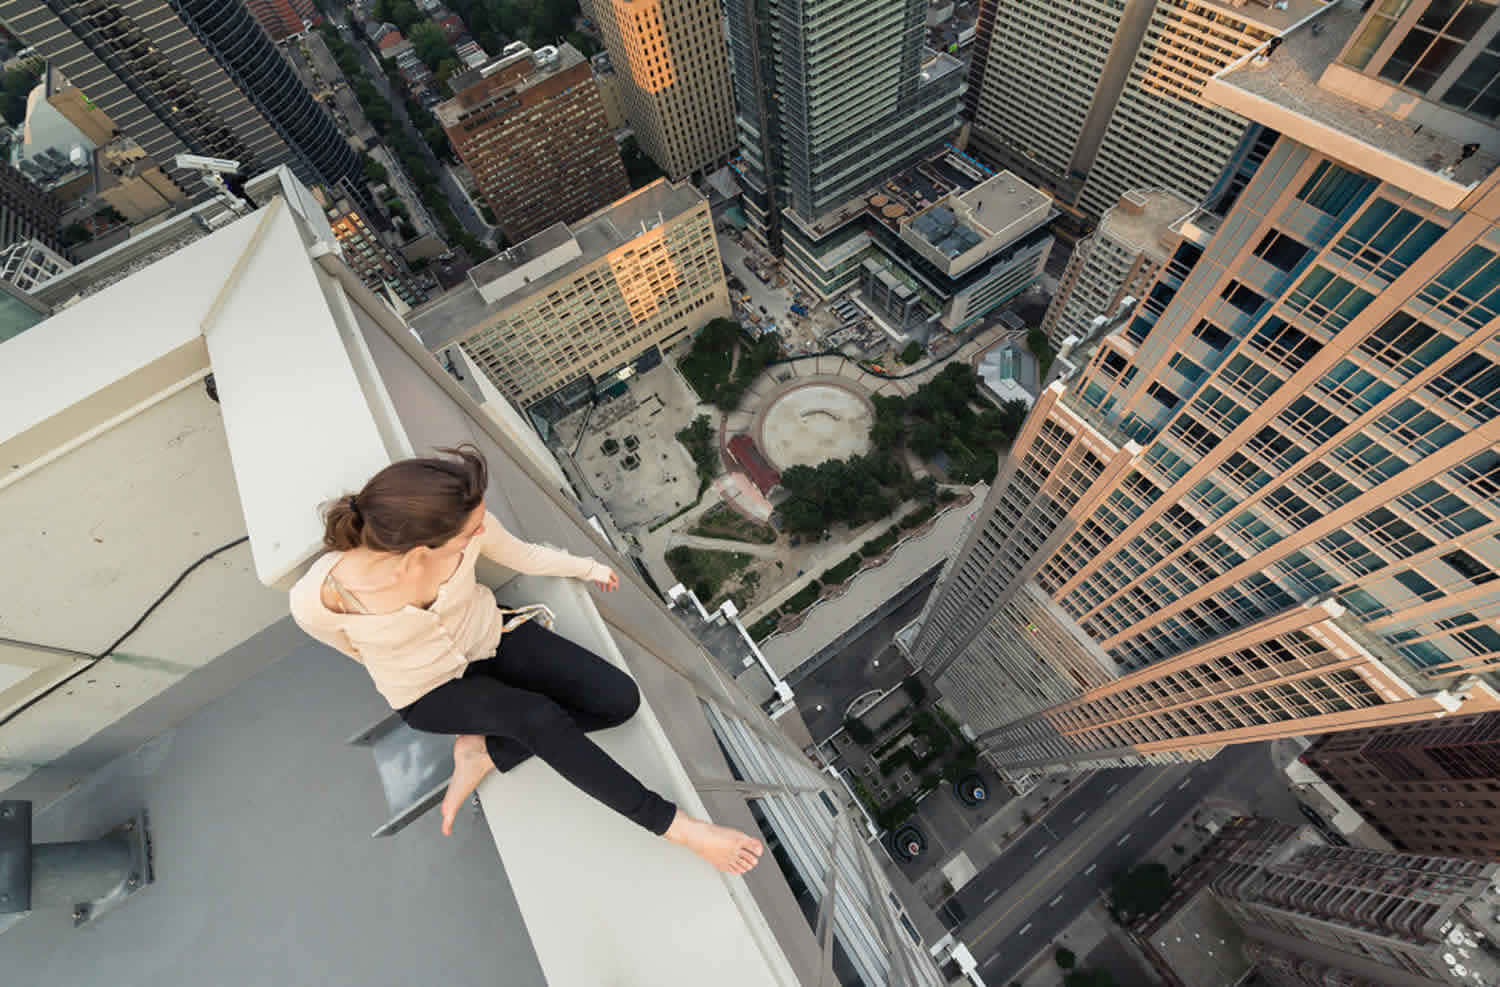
471,762
727,849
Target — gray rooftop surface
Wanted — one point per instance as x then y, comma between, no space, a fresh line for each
722,639
1003,201
454,313
1144,229
1290,79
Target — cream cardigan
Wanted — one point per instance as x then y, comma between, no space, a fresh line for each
412,651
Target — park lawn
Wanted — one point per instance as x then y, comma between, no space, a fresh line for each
704,571
723,521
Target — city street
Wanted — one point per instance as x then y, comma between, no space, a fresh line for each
1024,899
455,196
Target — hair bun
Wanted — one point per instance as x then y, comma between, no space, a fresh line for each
354,509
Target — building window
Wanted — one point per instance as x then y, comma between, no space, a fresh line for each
1477,89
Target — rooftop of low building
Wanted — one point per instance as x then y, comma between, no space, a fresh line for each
452,314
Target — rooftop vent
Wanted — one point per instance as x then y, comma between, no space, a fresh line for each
545,56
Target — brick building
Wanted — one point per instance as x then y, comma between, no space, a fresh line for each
1426,787
532,130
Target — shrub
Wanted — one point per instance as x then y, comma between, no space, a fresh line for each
764,627
841,572
918,692
911,353
918,517
802,599
1065,958
947,496
880,545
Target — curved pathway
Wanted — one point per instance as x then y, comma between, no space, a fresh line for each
677,538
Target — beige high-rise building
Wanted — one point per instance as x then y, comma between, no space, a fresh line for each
576,309
1134,239
1095,98
1268,502
672,62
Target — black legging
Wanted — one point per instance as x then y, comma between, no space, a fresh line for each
537,696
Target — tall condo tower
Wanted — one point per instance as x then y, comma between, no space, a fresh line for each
1093,99
197,76
1267,501
673,70
832,96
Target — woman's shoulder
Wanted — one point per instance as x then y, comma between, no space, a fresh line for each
306,596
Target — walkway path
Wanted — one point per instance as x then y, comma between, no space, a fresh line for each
677,538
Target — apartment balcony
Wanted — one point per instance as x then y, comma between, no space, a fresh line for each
177,427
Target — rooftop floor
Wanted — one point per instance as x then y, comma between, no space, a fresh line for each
1289,81
266,873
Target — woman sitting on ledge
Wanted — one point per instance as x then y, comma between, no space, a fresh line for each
396,592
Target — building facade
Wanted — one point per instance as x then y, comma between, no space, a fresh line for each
1090,100
1265,505
195,76
27,211
576,309
1120,260
933,247
371,259
1426,787
531,129
831,97
283,18
672,67
1391,918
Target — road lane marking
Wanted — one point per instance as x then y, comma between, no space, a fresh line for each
1054,901
1039,853
1111,789
1079,818
1090,868
1154,809
993,958
990,897
1121,840
1055,868
1185,783
1023,929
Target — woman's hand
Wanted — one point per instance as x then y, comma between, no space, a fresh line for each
610,583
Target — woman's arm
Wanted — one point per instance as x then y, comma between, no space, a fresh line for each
499,545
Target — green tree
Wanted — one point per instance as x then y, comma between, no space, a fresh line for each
912,353
1089,978
17,86
402,13
639,168
431,46
374,170
1142,890
1065,958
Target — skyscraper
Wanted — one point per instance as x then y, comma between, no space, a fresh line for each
1266,504
27,211
1120,260
531,129
1392,918
672,68
1426,787
832,96
1311,915
1096,98
194,76
267,306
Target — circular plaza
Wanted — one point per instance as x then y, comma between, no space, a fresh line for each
814,420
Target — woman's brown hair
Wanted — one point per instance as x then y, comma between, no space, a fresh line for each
422,501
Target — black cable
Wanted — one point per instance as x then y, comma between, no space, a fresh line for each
96,659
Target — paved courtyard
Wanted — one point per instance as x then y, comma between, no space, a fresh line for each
657,477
